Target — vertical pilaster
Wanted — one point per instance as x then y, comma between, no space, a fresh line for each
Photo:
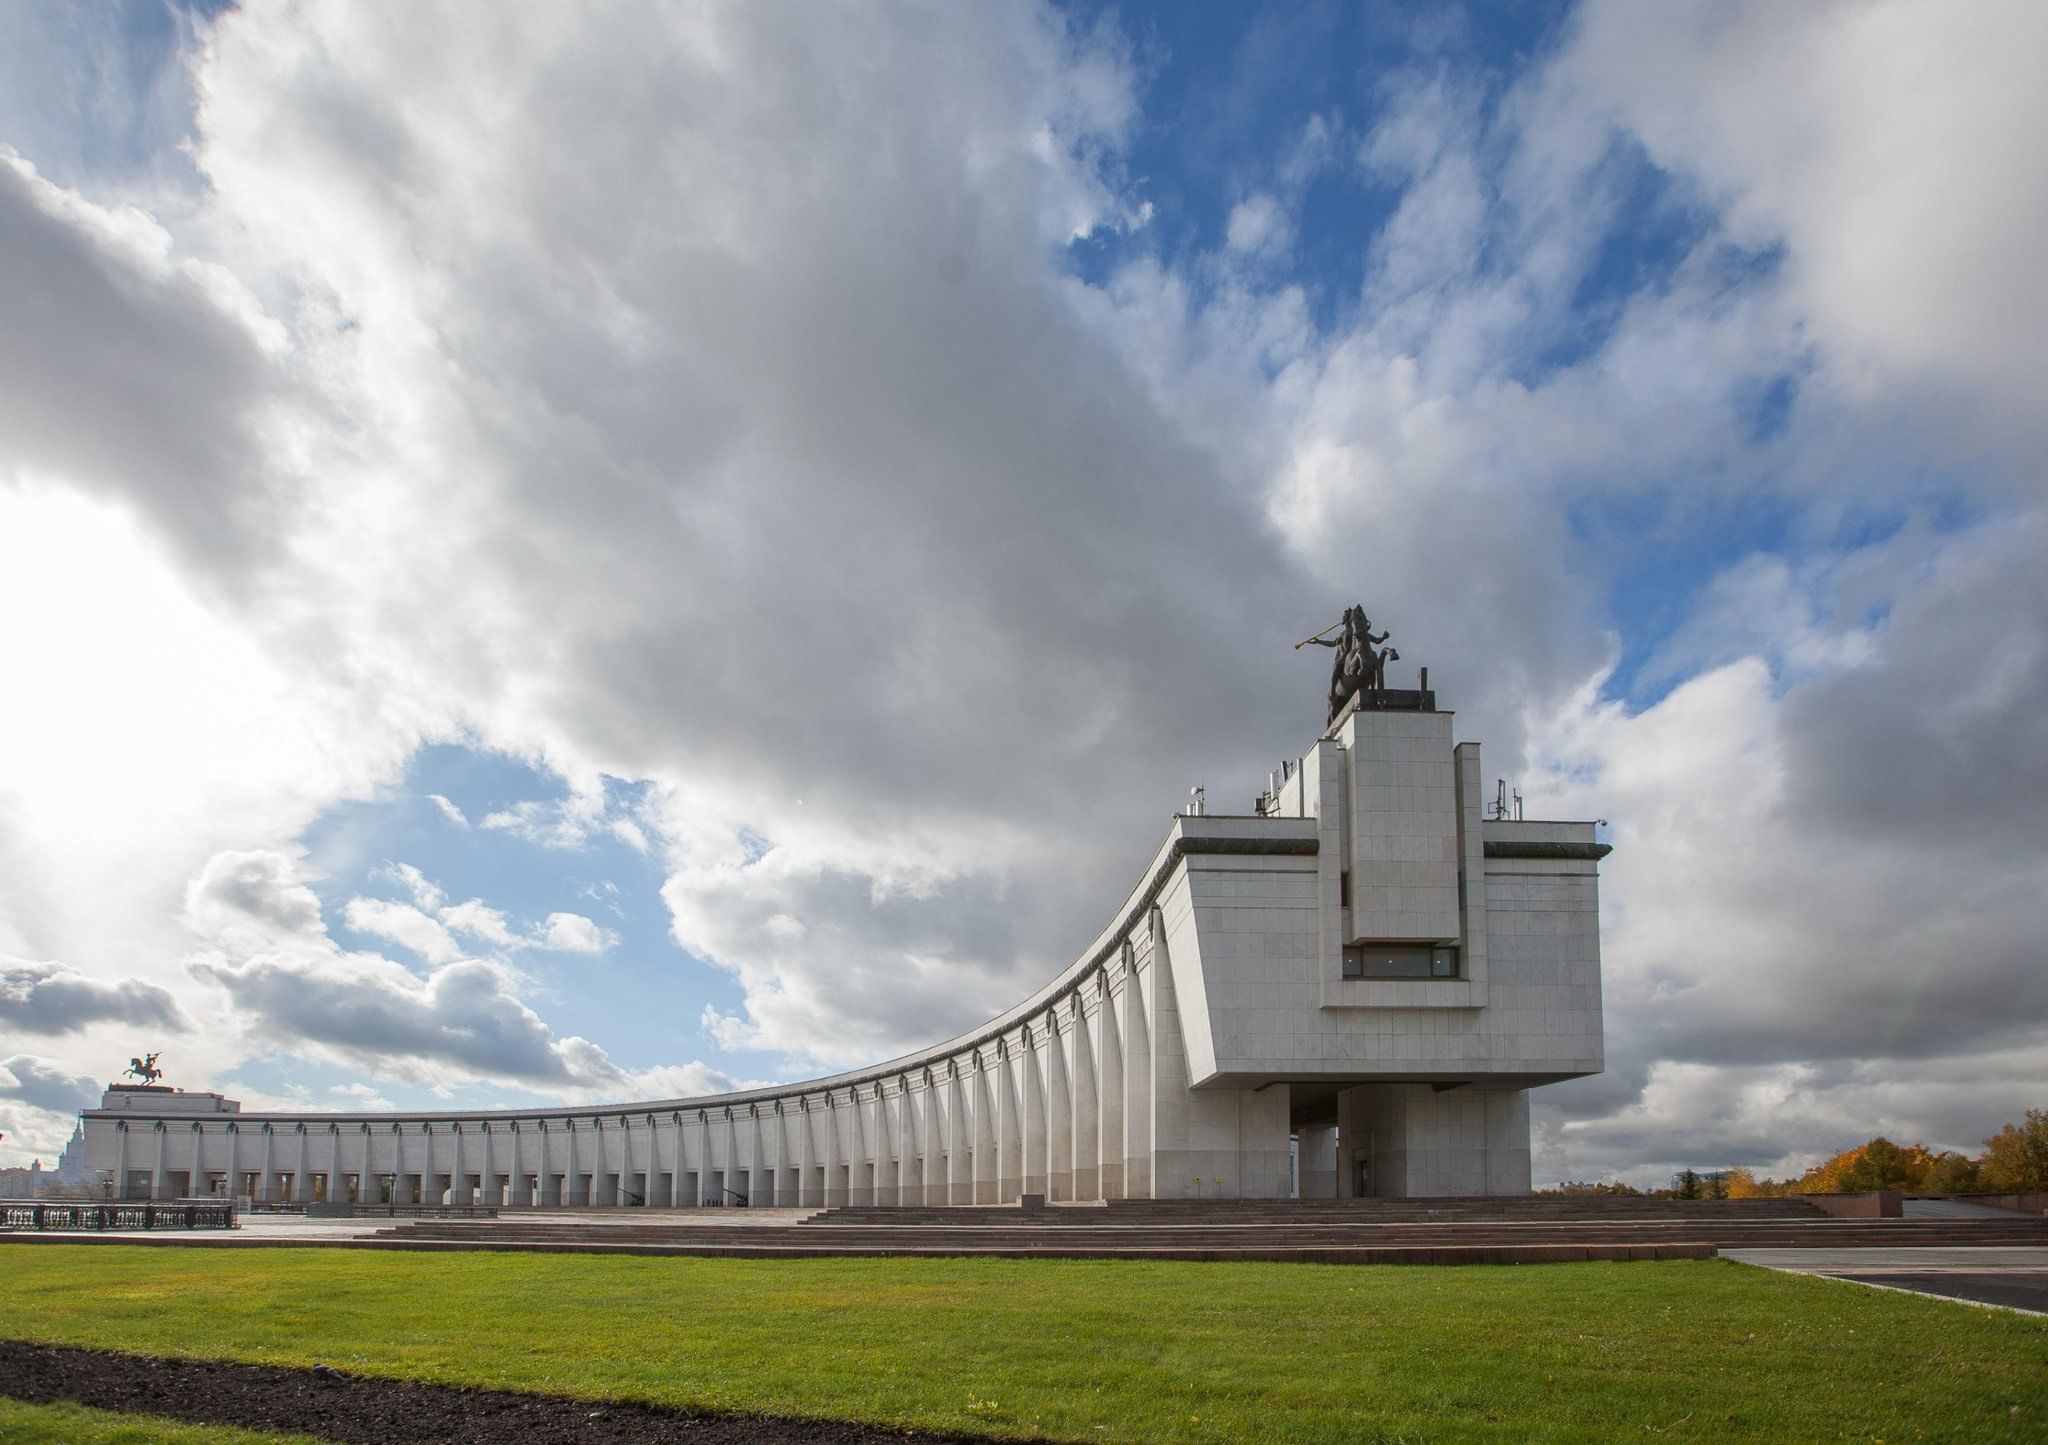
1009,1127
1032,1094
830,1191
459,1171
860,1173
1109,1082
959,1161
1081,1084
909,1165
1059,1115
803,1193
934,1144
885,1146
1137,1036
987,1173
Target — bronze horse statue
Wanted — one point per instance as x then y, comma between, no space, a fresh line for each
144,1068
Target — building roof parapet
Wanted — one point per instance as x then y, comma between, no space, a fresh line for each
1189,836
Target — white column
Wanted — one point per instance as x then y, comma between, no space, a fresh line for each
909,1171
860,1169
515,1168
790,1185
458,1169
888,1143
1059,1115
987,1172
757,1160
1137,1037
934,1135
1009,1127
797,1121
302,1178
1034,1093
1109,1084
1081,1084
832,1190
959,1164
160,1180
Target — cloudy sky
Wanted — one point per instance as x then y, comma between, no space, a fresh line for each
583,552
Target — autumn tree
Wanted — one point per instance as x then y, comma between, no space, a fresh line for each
1743,1183
1951,1173
2016,1157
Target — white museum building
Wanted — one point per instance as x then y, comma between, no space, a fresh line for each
1348,992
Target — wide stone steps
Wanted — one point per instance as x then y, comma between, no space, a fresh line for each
1324,1212
1466,1240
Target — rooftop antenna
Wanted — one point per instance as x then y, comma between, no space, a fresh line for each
1499,810
1200,803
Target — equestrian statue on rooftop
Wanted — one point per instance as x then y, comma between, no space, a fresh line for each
1360,665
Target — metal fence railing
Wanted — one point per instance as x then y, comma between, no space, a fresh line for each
51,1214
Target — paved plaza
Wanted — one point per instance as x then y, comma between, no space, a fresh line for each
2010,1277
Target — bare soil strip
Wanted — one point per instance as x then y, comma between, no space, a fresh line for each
354,1408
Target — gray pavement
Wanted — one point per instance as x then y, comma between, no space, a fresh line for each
2008,1277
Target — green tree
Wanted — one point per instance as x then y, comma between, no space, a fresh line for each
1951,1173
1881,1164
1685,1184
2016,1157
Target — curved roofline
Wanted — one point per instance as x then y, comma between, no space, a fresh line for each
1196,834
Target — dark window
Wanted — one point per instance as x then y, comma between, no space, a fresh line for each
1400,960
1344,889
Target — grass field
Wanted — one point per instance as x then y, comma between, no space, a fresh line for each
73,1425
1092,1350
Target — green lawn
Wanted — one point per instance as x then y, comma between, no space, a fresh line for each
1093,1350
75,1425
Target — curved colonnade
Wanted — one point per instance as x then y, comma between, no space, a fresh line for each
1036,1101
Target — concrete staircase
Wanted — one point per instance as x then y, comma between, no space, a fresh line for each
1436,1231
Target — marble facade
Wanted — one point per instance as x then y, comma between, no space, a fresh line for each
1365,964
